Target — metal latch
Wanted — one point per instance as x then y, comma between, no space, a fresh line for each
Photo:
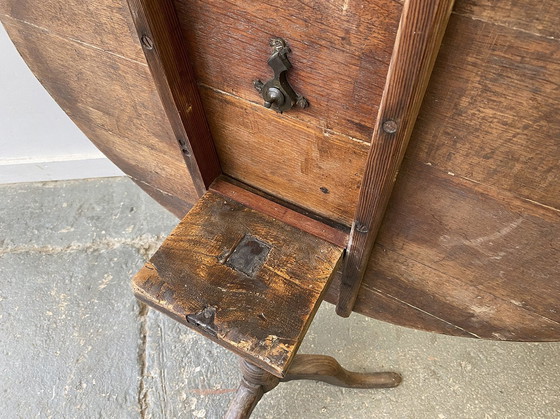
277,93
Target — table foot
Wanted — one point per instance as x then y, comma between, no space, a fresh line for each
327,369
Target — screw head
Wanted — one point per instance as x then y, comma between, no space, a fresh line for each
361,228
390,126
147,42
302,102
258,85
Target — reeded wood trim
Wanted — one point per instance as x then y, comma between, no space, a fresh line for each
160,35
419,36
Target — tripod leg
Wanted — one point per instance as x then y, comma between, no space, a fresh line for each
327,369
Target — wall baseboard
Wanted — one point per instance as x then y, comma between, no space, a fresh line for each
58,170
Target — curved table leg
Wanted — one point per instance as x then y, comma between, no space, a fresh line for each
327,369
256,381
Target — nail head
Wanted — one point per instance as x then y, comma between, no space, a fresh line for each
147,42
390,126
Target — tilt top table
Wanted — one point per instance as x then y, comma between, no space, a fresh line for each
405,164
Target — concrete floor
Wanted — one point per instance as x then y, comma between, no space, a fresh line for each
75,343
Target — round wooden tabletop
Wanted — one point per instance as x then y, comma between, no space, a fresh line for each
470,243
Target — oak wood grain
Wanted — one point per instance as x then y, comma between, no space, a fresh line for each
159,32
490,115
538,18
467,255
102,24
378,305
87,83
261,313
299,163
340,53
418,39
489,130
491,111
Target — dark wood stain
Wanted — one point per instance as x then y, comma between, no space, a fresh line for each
262,314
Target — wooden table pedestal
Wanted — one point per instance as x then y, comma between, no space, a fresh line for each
256,381
252,283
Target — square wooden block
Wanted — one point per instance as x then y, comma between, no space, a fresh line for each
242,278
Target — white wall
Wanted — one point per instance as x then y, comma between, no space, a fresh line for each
38,141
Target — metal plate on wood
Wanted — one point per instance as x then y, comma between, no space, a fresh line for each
249,255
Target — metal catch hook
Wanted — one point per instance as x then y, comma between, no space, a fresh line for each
277,93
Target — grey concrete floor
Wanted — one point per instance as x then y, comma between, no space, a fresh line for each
74,343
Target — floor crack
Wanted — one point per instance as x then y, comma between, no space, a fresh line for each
145,243
143,401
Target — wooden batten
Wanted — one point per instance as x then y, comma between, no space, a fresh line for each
419,36
265,205
159,32
108,94
314,157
